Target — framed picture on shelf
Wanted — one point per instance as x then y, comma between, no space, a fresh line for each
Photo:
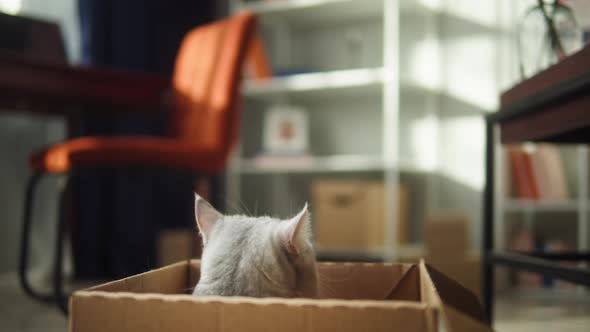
285,131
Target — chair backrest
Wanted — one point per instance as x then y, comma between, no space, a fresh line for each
206,83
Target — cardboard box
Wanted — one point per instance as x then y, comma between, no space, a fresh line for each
446,236
350,215
466,270
177,244
355,297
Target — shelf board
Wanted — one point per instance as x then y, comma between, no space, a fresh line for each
337,163
314,12
404,252
360,82
349,81
516,205
350,255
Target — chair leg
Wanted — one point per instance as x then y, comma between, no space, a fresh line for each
60,297
216,192
25,241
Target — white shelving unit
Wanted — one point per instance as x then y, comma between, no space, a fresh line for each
383,98
329,164
312,12
355,81
372,26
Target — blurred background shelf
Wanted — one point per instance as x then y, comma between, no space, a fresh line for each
516,205
313,12
406,252
394,92
321,164
557,224
361,82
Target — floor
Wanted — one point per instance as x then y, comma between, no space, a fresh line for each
516,311
19,313
545,310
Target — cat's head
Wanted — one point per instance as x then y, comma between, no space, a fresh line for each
255,256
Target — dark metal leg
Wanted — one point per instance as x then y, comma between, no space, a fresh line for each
576,275
216,192
559,256
25,240
488,226
60,297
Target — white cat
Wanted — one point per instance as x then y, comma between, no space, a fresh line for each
255,256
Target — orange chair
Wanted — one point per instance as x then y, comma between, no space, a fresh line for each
204,119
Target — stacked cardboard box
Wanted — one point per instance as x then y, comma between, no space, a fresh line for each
349,215
175,245
447,247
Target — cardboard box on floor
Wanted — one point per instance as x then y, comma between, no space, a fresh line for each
447,248
355,297
349,214
446,235
177,244
466,270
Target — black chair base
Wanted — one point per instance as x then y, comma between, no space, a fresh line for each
57,296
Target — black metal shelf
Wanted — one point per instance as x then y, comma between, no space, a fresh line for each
543,266
550,107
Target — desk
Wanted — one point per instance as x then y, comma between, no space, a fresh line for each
553,106
52,88
58,89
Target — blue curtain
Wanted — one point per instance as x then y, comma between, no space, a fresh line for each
119,211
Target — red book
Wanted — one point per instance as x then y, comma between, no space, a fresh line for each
522,174
517,172
530,174
549,173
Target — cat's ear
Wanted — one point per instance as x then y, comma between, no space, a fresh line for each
206,217
296,231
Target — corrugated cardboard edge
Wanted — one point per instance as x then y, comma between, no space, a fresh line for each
99,311
126,305
459,308
409,288
247,300
115,283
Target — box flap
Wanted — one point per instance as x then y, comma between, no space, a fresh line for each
408,288
453,294
372,281
171,279
466,270
460,308
458,321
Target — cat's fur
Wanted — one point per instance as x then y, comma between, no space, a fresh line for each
255,256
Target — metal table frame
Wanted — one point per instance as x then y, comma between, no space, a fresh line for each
524,106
